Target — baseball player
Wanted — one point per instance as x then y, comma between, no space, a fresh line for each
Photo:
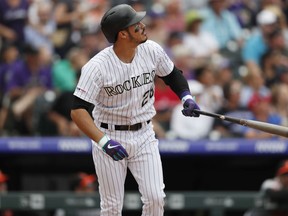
119,82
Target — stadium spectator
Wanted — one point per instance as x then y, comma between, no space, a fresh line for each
274,62
65,71
231,107
202,44
256,44
155,22
195,4
209,96
253,82
224,26
191,129
173,39
59,115
212,96
65,74
279,101
244,11
278,8
183,59
29,80
68,16
39,33
13,18
92,42
222,23
261,109
165,100
174,16
9,59
93,10
223,70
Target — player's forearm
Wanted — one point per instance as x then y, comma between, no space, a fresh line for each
177,82
86,124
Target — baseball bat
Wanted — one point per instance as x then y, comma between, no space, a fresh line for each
262,126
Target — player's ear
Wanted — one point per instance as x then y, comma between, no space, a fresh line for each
122,34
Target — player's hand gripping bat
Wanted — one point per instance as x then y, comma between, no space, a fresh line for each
262,126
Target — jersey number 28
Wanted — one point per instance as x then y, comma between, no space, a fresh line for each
147,95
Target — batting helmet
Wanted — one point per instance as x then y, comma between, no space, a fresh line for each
119,18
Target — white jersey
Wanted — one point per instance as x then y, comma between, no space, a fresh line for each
123,93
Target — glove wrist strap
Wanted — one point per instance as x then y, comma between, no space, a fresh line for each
103,140
186,97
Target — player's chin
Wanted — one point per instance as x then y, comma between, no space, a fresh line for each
144,39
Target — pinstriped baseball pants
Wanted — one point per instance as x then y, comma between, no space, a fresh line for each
145,164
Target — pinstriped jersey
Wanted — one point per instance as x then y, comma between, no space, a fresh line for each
123,93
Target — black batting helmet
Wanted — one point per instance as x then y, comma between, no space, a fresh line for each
119,18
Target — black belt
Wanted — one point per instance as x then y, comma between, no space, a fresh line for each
134,127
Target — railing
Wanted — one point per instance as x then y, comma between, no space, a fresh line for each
214,202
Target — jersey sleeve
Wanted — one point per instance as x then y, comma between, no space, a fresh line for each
164,64
89,84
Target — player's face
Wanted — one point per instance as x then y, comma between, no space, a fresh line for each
137,33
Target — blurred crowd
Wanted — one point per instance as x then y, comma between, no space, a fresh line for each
233,53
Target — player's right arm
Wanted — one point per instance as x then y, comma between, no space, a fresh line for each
82,118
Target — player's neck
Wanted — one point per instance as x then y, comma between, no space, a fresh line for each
125,54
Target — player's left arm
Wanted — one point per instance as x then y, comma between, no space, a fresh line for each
179,85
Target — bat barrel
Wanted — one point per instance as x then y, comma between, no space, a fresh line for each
263,126
267,127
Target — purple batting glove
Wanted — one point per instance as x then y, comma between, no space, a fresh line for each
115,150
189,106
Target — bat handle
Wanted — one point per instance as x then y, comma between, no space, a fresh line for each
201,112
222,117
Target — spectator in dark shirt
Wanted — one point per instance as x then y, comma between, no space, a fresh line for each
29,80
59,115
9,58
13,17
231,107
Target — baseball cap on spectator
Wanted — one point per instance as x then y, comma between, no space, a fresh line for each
283,168
266,17
256,99
3,177
193,16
